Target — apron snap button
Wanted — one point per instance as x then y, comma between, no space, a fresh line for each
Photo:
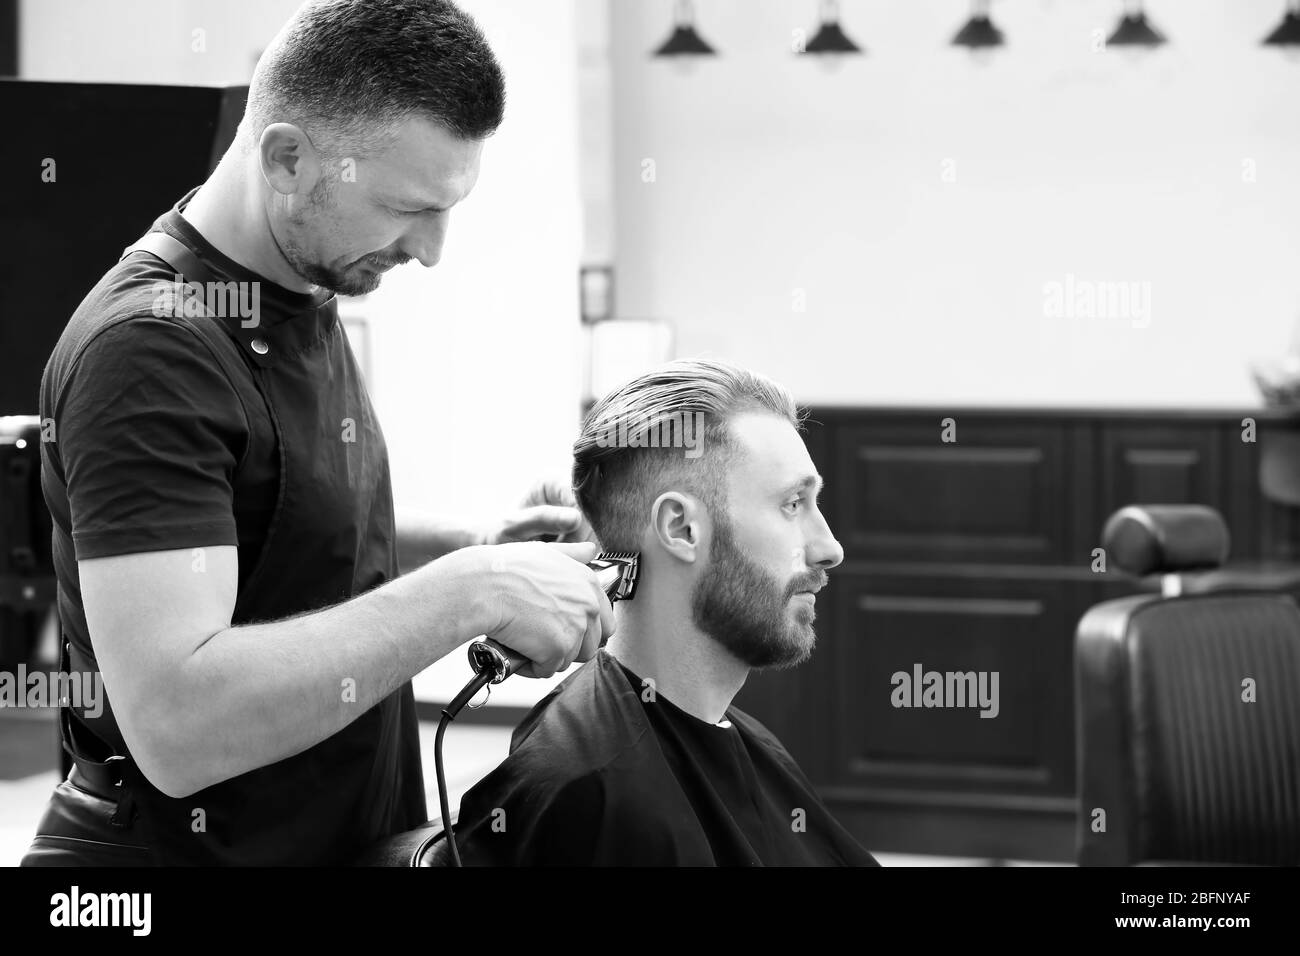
260,346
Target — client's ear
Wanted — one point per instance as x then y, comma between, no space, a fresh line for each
675,521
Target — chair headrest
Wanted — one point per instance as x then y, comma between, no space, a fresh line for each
1161,539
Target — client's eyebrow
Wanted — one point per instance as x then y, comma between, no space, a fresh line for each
803,484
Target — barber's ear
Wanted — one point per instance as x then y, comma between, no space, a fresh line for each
675,520
289,161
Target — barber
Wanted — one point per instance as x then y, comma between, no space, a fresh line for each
225,541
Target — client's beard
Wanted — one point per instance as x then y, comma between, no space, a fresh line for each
746,609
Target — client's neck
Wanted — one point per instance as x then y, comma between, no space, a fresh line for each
659,641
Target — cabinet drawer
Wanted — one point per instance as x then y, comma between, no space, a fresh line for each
994,495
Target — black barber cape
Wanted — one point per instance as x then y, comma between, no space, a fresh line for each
184,427
601,774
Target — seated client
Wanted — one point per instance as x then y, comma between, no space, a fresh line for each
639,757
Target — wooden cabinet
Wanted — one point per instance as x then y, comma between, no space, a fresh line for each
976,556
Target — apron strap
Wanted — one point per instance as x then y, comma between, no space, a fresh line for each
189,268
173,252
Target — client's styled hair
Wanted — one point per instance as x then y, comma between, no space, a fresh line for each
665,431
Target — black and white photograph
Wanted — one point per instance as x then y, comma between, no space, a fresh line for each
651,435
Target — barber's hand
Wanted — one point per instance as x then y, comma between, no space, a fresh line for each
544,603
548,510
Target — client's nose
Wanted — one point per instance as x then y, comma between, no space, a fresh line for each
823,550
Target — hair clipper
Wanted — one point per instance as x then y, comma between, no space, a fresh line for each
617,572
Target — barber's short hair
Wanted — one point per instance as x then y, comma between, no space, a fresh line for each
615,481
349,71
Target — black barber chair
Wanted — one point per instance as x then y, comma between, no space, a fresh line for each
1184,770
423,846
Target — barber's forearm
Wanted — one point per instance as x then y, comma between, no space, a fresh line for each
254,695
422,538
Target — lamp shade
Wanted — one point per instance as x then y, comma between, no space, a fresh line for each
684,41
979,31
1134,30
1287,32
831,38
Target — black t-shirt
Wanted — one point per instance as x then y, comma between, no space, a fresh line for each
156,447
602,772
170,434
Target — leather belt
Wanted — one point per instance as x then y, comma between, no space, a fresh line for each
103,778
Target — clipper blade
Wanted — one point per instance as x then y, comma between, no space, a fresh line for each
618,572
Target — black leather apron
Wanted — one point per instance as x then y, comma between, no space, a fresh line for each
331,537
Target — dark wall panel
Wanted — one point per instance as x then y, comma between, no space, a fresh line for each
120,155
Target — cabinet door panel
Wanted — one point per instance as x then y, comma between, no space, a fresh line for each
1019,630
1170,465
993,495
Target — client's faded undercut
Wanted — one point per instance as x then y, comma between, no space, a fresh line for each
664,431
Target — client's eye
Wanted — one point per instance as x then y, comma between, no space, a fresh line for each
794,505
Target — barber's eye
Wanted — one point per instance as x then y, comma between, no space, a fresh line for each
794,505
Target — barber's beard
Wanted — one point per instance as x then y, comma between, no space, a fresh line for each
748,611
351,280
352,283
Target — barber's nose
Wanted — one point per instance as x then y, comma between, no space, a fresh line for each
424,243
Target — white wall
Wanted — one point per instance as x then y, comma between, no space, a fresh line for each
775,174
479,360
146,41
476,364
596,129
